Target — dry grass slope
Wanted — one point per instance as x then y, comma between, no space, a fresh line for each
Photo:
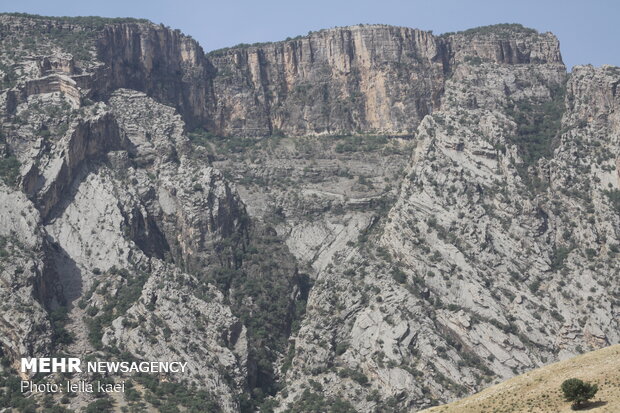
539,390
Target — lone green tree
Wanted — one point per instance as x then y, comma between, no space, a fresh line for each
578,392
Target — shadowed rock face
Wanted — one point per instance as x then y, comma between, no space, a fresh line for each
27,279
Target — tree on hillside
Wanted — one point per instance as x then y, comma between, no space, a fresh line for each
578,392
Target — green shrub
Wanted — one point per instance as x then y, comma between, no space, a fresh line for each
99,406
312,402
559,257
614,198
473,60
9,170
399,276
360,143
578,392
507,30
355,375
58,318
341,348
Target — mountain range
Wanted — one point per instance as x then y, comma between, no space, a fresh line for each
364,219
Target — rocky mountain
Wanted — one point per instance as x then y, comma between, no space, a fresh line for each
368,218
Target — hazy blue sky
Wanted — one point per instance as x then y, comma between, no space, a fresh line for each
588,30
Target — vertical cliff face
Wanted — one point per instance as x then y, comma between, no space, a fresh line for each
503,43
367,78
372,78
160,62
48,181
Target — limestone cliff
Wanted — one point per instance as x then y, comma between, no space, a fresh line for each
370,78
159,61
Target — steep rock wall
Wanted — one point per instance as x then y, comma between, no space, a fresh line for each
159,61
366,79
371,78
